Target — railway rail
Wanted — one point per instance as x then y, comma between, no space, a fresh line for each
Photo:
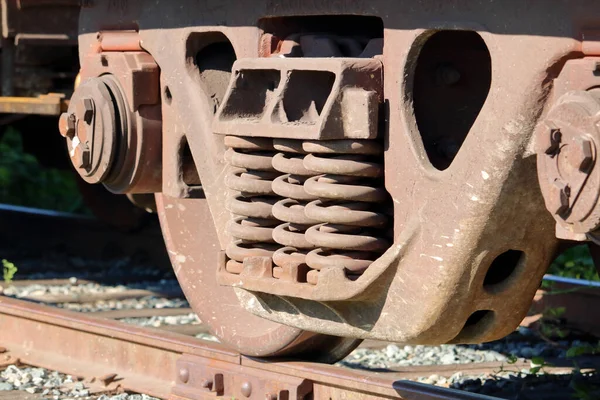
171,365
109,355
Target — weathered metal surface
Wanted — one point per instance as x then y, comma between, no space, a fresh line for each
218,306
90,128
38,39
143,359
302,98
290,340
119,41
198,377
309,212
168,365
566,144
305,210
48,104
113,122
471,235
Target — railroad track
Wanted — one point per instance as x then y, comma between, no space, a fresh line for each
101,346
168,361
111,356
167,364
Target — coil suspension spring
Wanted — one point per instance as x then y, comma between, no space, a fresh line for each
290,260
307,204
252,203
350,191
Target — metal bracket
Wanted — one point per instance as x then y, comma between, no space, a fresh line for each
199,378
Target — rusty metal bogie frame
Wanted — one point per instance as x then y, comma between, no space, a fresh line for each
470,242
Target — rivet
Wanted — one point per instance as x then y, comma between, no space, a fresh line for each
184,375
246,389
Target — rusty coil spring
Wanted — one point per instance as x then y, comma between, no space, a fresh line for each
290,260
251,178
349,191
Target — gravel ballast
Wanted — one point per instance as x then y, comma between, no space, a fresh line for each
54,385
158,321
523,343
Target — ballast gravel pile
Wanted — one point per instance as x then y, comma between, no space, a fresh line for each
521,344
401,356
523,384
127,304
507,381
54,385
157,321
127,396
39,380
75,288
70,289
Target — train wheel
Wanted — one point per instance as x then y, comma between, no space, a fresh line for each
193,246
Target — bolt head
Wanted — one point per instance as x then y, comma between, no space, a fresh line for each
88,110
184,375
553,145
586,155
246,389
560,196
66,125
81,157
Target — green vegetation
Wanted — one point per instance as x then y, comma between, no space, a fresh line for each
575,263
23,181
583,350
8,271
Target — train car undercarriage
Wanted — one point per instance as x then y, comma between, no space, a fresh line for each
326,173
